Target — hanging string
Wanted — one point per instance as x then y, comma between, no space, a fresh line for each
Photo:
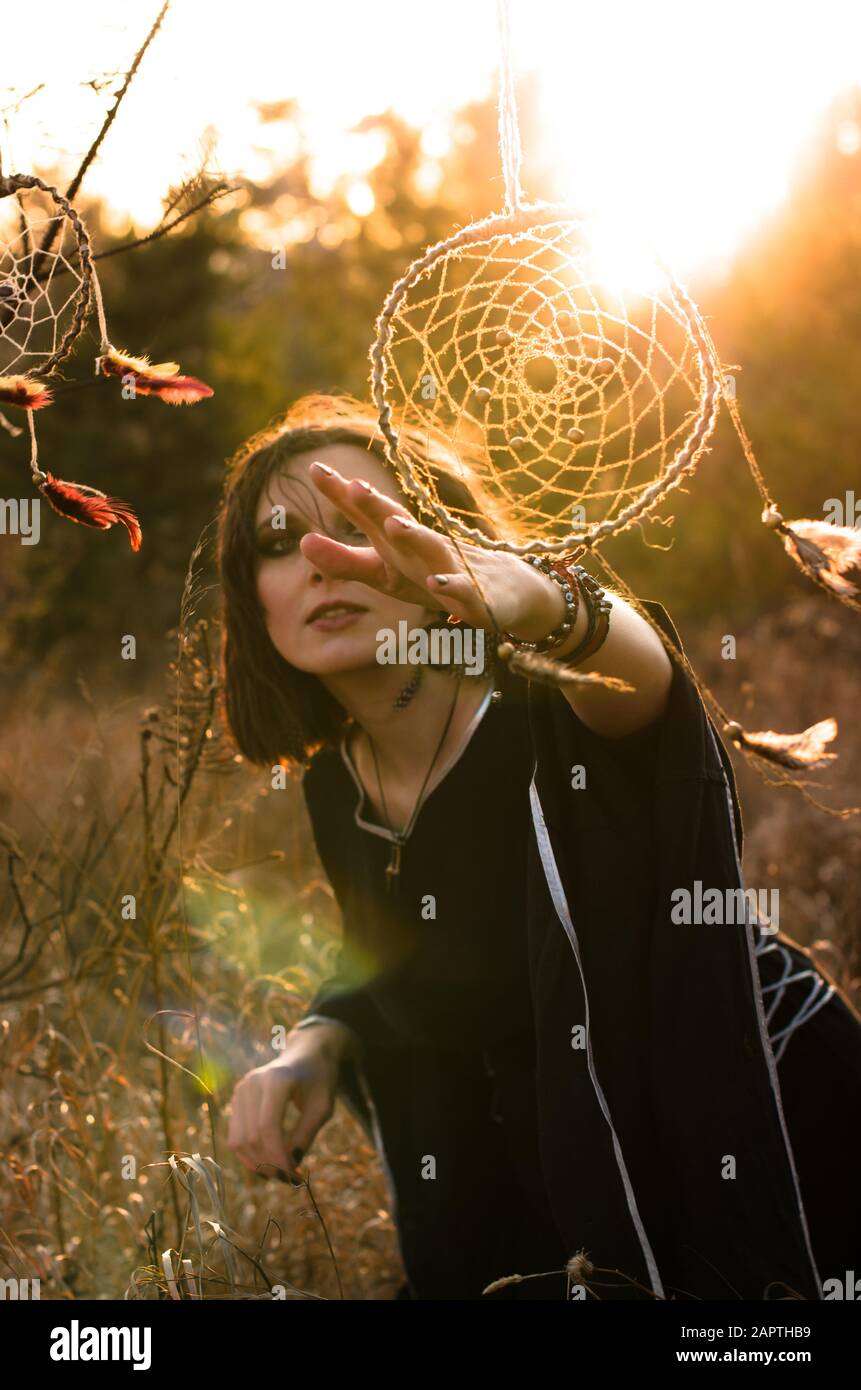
827,554
509,129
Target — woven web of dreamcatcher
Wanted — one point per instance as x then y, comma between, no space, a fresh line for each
45,277
575,406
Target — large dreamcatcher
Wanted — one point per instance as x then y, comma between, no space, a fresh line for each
48,288
572,407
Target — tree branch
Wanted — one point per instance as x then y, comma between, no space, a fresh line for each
109,119
53,228
219,191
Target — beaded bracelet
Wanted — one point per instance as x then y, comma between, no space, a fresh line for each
599,608
571,594
573,579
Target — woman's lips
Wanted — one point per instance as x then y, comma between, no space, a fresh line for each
333,622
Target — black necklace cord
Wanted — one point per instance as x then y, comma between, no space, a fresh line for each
400,837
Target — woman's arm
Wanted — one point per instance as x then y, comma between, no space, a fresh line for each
631,650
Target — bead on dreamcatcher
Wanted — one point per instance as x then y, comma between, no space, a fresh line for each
48,287
570,405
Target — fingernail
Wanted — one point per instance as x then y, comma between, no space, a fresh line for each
402,521
362,484
440,579
325,467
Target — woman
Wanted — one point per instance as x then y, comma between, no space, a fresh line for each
548,1062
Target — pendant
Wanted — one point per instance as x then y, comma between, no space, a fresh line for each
393,868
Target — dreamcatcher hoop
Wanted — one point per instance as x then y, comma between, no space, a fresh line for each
510,226
83,297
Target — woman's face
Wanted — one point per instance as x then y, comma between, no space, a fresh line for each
291,589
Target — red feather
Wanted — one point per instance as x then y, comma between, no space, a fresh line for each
176,390
90,507
162,379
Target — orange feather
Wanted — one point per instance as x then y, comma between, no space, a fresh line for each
160,379
24,391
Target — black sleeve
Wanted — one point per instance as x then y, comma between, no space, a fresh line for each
343,999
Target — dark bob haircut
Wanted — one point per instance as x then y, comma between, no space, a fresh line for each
275,713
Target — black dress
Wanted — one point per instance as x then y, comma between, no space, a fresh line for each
457,987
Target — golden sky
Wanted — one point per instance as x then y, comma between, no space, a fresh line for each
680,118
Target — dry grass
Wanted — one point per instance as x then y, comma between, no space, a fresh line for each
123,1036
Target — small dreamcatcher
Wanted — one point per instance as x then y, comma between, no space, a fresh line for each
48,287
573,407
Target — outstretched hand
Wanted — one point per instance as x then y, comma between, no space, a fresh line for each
409,561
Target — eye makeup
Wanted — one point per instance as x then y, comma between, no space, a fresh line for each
280,540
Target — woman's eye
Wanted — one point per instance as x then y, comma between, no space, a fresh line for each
277,543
